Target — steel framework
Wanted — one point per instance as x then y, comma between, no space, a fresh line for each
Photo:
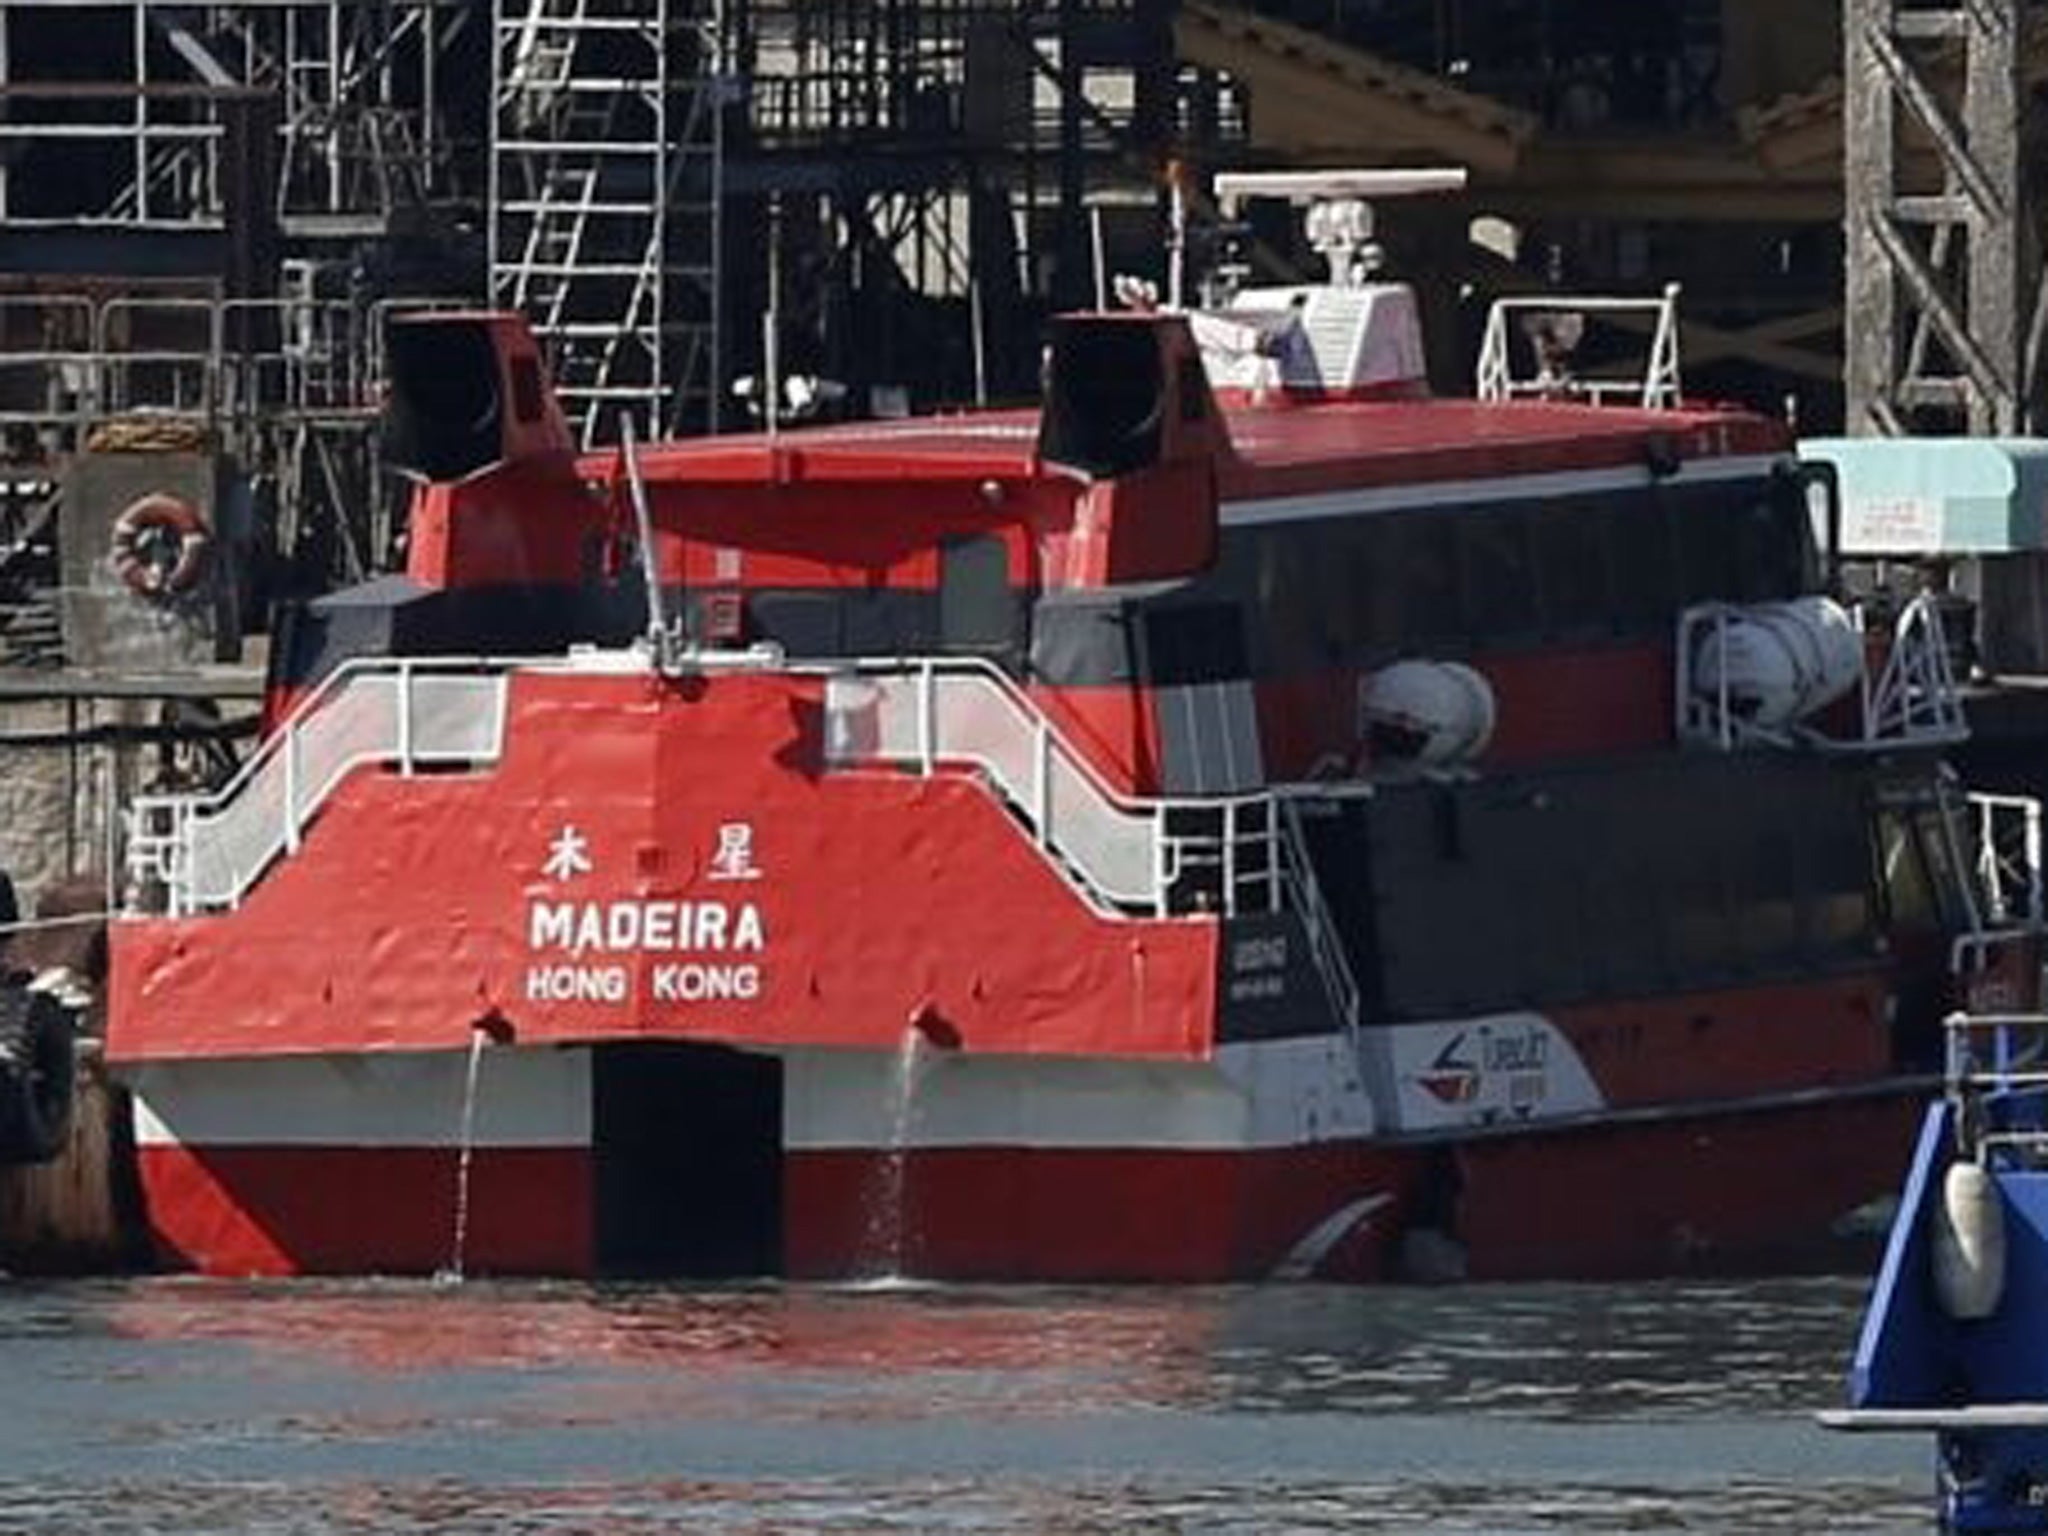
1943,314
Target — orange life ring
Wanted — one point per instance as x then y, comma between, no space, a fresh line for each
142,532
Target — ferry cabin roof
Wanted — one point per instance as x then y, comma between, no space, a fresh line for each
1135,535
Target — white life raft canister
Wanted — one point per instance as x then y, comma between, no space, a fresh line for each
1779,662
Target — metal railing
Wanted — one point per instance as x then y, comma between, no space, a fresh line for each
1304,895
1142,856
229,364
1553,326
1997,1071
192,854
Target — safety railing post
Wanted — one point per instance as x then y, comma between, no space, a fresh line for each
405,677
1274,894
1041,781
1229,892
927,711
291,789
1161,875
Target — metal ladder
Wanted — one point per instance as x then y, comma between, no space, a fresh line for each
606,192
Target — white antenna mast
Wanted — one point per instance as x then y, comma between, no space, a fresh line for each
661,638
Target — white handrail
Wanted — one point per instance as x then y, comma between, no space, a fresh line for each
1659,387
208,850
1126,854
1122,852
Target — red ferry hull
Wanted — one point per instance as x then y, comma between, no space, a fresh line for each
1789,1186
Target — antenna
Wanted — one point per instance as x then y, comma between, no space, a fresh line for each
660,638
1339,223
1235,187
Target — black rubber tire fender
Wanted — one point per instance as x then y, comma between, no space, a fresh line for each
38,1072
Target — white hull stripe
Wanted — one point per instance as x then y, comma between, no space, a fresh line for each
1437,493
537,1098
1253,1095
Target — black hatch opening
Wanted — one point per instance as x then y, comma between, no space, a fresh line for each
688,1148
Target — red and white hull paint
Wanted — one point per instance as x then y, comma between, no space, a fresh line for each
350,1163
1253,1165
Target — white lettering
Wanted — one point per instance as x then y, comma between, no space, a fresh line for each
622,925
710,932
747,932
576,984
658,927
551,924
695,982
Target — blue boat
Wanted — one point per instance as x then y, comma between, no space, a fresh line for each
1955,1341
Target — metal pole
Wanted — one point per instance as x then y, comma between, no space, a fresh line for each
291,789
980,343
771,317
1101,264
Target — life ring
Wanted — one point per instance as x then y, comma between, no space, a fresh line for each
142,554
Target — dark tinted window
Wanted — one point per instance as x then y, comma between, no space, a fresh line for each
1571,568
1193,643
1645,562
1708,538
1774,538
977,609
1500,577
1576,884
1426,573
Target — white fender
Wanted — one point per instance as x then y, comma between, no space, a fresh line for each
1969,1243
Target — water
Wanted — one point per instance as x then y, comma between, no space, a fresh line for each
302,1407
458,1250
884,1228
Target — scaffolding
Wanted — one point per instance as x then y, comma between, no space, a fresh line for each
197,206
897,190
606,190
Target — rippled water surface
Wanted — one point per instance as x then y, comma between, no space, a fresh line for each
195,1406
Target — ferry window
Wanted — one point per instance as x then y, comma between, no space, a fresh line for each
1571,568
1350,565
1428,579
1764,883
1382,595
977,609
1697,919
1707,549
1194,643
1645,569
1775,557
1500,588
1836,848
1292,607
1945,847
1624,897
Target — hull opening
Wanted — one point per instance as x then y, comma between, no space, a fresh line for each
688,1147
